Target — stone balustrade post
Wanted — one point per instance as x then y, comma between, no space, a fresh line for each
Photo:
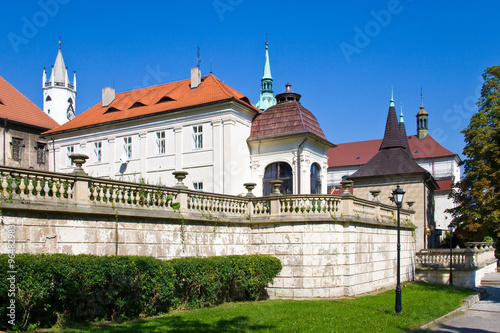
347,203
82,180
182,199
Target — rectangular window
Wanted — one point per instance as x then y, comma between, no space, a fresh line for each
40,152
98,152
69,150
160,143
127,146
198,137
198,186
16,148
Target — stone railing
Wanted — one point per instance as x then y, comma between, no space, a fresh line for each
476,255
81,190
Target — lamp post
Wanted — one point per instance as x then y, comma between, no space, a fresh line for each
398,195
451,228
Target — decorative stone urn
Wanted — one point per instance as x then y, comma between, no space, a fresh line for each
276,187
180,176
346,184
250,187
375,194
78,160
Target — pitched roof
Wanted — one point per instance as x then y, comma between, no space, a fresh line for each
164,98
285,119
358,153
392,157
445,185
17,107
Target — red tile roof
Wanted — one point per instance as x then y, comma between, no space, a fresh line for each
168,97
358,153
445,185
283,119
16,107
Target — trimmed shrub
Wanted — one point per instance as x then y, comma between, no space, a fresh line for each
59,288
64,289
214,280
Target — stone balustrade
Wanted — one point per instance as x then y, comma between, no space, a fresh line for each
80,189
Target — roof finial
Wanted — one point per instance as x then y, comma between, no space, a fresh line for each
401,120
59,42
392,96
266,39
421,100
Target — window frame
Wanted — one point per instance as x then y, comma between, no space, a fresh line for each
98,152
198,186
127,146
69,150
40,152
17,144
197,137
161,142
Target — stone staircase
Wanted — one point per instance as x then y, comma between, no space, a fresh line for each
491,279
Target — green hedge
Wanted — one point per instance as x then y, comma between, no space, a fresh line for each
65,289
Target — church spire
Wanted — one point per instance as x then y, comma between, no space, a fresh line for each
58,93
392,135
266,92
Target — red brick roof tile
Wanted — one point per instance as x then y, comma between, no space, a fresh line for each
358,153
17,107
168,97
289,118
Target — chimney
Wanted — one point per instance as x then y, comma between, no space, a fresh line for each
195,77
108,96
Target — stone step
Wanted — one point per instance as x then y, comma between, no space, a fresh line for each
491,279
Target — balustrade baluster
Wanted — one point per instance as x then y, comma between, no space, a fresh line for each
38,187
5,185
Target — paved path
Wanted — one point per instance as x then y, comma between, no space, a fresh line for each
482,317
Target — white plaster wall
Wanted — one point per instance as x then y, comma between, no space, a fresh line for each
222,164
442,203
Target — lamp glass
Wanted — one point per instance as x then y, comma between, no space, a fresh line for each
451,227
398,195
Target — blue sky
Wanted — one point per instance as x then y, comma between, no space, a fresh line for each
342,57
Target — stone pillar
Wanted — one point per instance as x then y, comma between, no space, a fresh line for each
81,186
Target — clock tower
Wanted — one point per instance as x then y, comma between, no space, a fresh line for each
58,93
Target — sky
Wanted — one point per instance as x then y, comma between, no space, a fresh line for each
343,57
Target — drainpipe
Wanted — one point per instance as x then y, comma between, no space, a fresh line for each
299,149
4,129
54,154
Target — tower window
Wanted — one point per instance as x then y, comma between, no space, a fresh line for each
48,99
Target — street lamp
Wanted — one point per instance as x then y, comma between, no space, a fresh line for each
398,195
451,228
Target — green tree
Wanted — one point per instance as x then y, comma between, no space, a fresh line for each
477,196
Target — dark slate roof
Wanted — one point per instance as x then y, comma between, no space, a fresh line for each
404,137
392,136
392,158
286,119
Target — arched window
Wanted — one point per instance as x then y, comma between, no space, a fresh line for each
315,179
278,171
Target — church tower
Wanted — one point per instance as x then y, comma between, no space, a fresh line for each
266,92
422,118
58,94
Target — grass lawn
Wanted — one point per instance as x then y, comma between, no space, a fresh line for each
372,313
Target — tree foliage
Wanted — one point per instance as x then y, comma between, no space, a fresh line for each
477,196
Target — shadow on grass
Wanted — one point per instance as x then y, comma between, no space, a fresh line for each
178,325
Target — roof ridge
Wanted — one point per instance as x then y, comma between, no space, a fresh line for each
299,106
219,83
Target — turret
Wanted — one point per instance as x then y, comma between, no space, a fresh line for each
266,92
58,94
422,118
